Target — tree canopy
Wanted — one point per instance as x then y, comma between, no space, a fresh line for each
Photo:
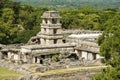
73,4
16,20
19,19
110,48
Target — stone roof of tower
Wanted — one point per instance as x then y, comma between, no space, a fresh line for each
50,14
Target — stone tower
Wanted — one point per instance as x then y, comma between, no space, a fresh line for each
51,32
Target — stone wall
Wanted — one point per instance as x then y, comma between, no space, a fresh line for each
14,67
77,75
79,31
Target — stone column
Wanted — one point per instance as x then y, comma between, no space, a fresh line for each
78,53
42,30
84,55
47,41
9,55
90,56
43,21
1,56
59,41
38,60
42,41
97,56
49,21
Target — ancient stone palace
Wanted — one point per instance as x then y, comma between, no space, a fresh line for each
51,41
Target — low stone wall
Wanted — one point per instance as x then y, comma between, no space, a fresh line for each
14,67
77,75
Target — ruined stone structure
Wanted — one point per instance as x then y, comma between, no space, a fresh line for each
48,42
51,40
51,32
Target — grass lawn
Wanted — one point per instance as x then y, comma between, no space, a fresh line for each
6,73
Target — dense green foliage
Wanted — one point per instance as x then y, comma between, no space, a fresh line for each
110,49
101,4
89,18
18,22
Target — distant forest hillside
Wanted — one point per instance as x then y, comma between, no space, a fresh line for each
59,4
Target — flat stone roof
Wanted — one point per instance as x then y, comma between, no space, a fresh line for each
11,50
89,48
50,14
95,35
34,47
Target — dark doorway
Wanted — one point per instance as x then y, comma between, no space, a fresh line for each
54,21
94,56
5,55
55,41
64,41
41,61
73,56
35,59
54,31
42,56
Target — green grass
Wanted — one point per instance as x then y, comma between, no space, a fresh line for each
6,73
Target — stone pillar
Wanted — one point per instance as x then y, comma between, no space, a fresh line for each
47,31
25,58
50,41
1,56
59,31
47,41
33,60
42,30
38,60
42,41
49,21
59,41
16,57
97,56
79,54
90,56
84,55
43,21
50,31
9,55
30,59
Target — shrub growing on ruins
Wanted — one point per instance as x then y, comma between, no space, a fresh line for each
56,58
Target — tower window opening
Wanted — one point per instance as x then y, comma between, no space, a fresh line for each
45,21
54,21
54,31
44,29
45,41
55,41
64,41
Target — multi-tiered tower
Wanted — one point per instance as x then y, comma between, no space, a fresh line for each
51,32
